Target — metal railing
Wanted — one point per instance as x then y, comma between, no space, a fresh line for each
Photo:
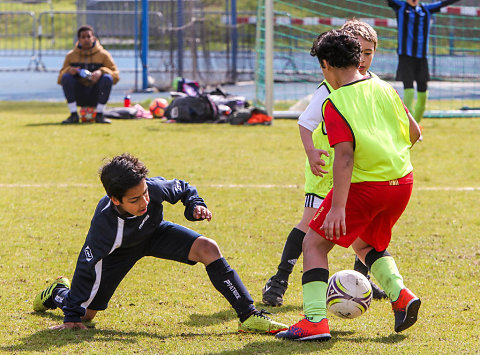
18,36
199,48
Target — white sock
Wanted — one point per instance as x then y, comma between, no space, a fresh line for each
100,108
72,106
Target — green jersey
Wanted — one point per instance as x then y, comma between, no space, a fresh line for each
379,126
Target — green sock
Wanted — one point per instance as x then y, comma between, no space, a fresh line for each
315,300
420,105
386,273
408,98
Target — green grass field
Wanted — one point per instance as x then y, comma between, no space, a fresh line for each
252,180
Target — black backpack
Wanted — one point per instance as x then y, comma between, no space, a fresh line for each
192,109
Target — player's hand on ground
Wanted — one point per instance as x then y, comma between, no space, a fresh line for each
316,162
69,325
334,224
201,212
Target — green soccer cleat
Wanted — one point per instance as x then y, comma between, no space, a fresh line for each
258,322
45,296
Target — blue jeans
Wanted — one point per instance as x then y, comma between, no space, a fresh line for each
87,95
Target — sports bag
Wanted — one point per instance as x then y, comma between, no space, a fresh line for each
192,109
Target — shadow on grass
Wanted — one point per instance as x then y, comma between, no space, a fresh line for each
390,339
53,124
44,124
283,309
277,346
52,340
198,320
86,124
49,339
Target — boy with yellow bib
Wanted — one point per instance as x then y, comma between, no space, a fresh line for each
371,134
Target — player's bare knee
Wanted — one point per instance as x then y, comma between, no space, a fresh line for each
311,240
89,315
303,225
308,214
205,250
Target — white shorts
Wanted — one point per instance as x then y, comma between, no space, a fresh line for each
313,201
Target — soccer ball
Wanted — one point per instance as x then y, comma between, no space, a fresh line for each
157,107
87,114
349,294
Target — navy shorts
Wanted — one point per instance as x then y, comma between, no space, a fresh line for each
412,69
170,241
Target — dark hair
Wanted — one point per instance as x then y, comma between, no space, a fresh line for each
339,48
84,28
122,173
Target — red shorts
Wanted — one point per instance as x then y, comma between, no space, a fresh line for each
371,211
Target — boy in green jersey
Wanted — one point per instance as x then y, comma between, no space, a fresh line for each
319,161
372,134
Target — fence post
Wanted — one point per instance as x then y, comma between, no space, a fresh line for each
451,37
234,40
39,65
434,48
145,43
135,44
269,23
180,36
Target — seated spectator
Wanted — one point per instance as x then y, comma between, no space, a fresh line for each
87,76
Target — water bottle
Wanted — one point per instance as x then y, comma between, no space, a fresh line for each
126,101
84,73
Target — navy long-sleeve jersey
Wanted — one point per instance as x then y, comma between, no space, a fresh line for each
110,231
414,25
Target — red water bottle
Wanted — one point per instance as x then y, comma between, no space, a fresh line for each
126,101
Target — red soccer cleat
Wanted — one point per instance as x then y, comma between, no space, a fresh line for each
405,309
307,330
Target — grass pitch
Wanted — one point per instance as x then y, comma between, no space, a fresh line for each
252,180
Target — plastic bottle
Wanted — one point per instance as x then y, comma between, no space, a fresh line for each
126,101
84,73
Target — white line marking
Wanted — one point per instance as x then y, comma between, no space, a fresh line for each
268,186
45,185
231,186
447,188
253,186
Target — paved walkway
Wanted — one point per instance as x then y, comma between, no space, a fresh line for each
42,86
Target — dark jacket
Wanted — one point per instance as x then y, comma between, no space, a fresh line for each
111,233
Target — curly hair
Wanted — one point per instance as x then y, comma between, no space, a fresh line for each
362,29
338,48
121,173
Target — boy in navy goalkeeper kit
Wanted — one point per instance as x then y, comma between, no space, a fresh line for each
127,225
413,21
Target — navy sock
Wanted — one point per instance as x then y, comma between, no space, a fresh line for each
360,267
291,253
228,283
